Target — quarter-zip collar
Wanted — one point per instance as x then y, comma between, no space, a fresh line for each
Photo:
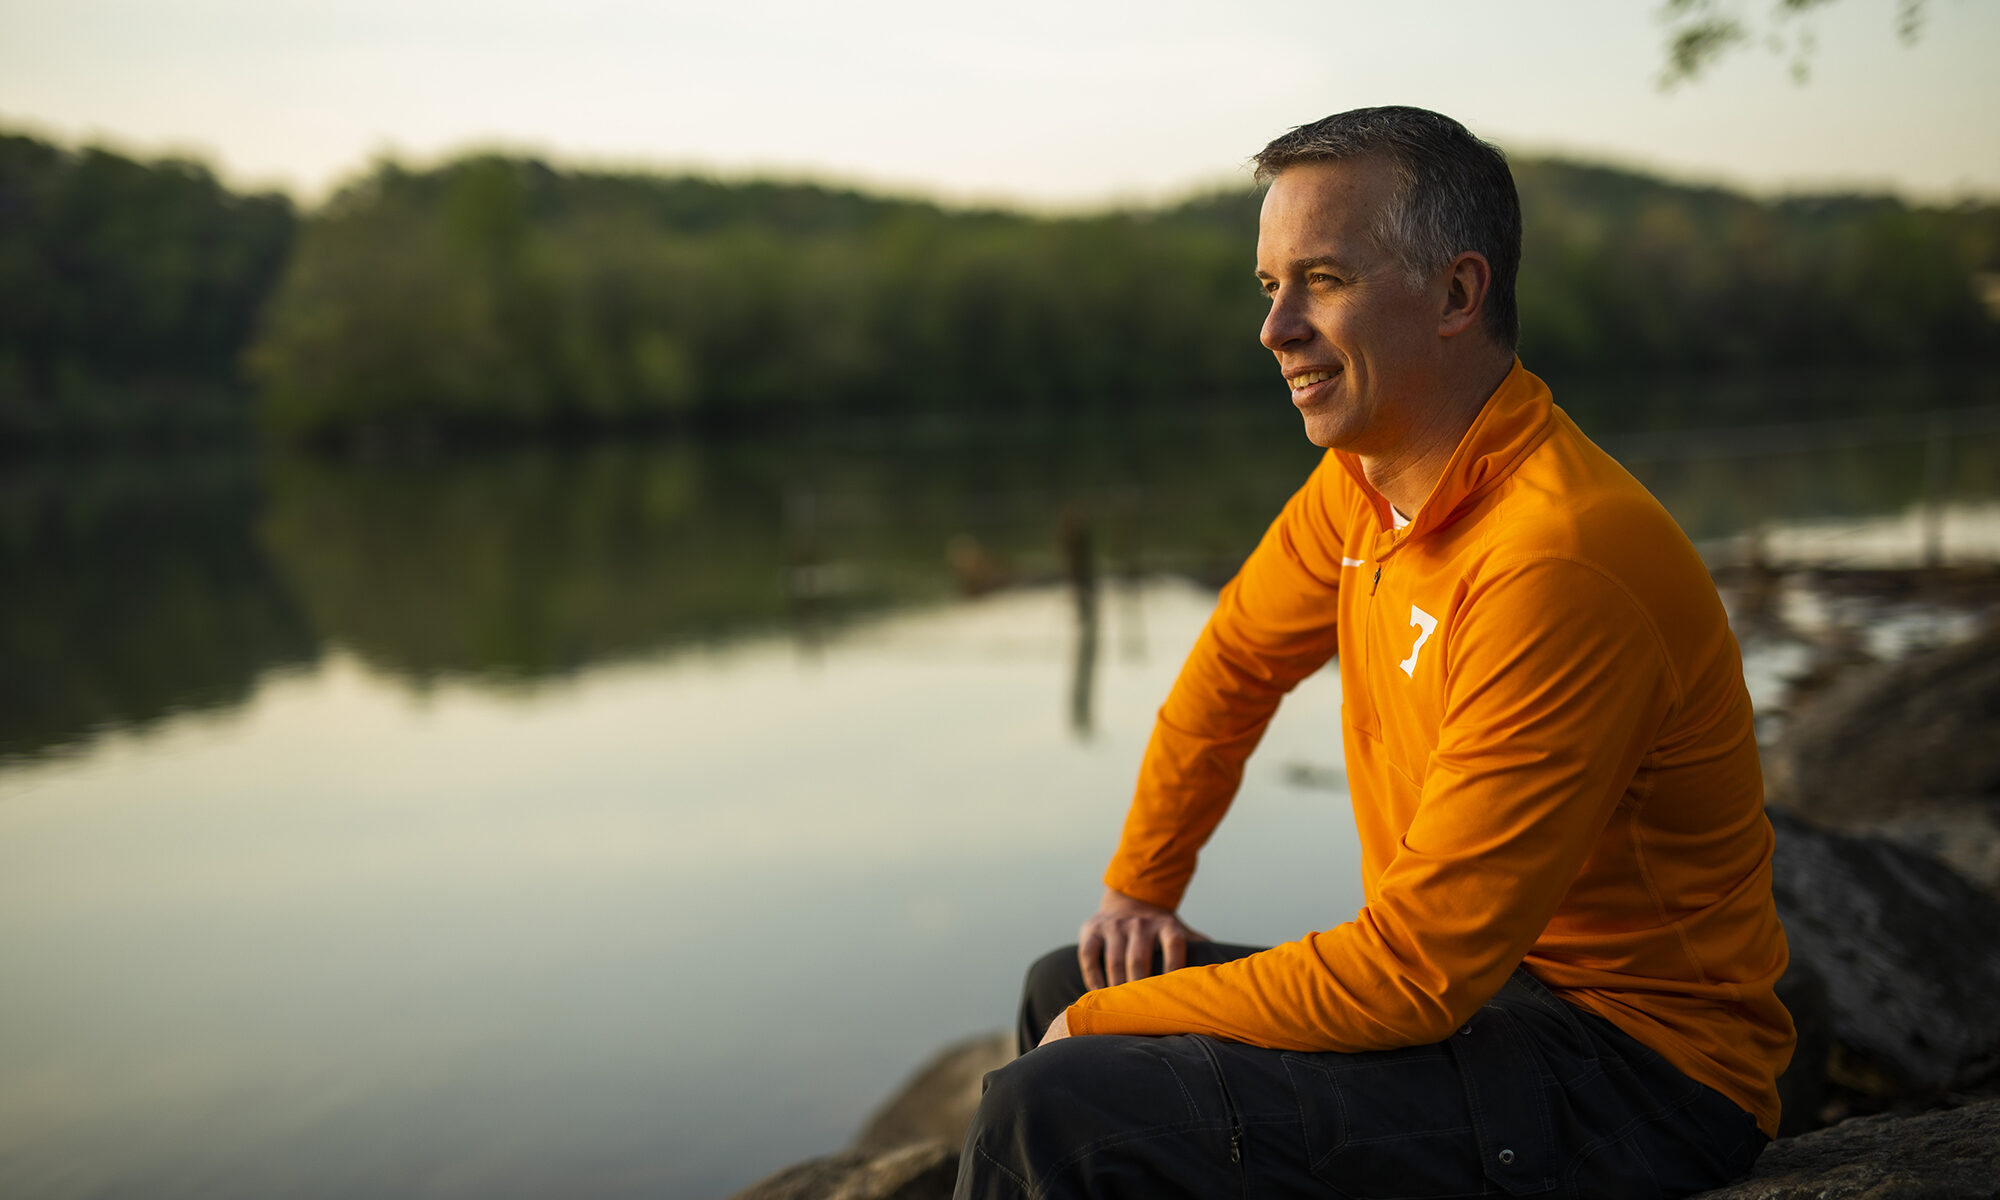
1514,420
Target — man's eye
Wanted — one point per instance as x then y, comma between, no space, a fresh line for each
1317,277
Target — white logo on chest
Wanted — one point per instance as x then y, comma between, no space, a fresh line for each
1427,625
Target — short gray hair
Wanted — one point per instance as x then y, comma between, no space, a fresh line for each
1453,193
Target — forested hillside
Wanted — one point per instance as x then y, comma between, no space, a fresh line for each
127,292
496,296
497,291
1624,270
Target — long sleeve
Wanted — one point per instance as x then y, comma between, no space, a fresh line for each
1274,624
1556,686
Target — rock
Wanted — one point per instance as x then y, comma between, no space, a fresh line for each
1802,1088
1907,749
919,1171
1919,727
1950,1155
939,1098
1909,951
1963,832
909,1149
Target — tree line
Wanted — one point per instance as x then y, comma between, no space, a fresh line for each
496,296
128,292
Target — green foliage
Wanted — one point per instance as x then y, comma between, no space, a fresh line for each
496,294
127,290
497,297
1624,272
501,294
1701,32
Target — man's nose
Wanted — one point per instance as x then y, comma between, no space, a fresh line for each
1284,325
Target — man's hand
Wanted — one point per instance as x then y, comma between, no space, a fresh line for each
1116,943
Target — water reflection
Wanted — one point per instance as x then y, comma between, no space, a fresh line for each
130,589
1723,482
139,587
519,566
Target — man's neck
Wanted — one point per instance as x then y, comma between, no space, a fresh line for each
1406,476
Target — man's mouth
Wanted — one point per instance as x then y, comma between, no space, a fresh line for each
1305,381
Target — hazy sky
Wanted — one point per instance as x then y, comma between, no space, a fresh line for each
1048,101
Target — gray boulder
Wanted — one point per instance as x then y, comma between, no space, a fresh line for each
1908,749
1909,952
1882,736
1950,1155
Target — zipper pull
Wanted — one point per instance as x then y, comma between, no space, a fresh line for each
1236,1144
1376,582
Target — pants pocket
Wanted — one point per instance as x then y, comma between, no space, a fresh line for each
1389,1125
1507,1094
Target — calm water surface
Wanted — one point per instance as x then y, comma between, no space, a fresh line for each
656,928
628,822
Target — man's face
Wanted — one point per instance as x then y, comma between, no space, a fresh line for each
1356,344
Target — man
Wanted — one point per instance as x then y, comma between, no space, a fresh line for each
1561,981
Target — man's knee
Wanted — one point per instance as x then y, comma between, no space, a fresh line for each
1004,1090
1120,1116
1009,1139
1064,1090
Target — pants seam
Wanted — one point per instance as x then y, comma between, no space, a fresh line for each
1117,1139
1387,1138
1627,1130
1193,1108
1001,1167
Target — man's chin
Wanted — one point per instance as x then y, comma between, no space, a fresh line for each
1322,430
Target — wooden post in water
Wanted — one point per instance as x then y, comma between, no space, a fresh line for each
803,559
1080,565
1126,548
1937,482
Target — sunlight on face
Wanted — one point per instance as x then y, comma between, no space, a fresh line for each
1356,344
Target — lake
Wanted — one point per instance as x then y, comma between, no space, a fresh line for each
628,820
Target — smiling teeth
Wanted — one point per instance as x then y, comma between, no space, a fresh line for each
1309,378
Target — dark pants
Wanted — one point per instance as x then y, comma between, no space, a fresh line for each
1532,1097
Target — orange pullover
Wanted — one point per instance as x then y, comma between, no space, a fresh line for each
1550,752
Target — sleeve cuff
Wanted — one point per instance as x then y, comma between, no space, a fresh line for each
1163,896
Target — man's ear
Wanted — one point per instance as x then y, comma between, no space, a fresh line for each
1465,293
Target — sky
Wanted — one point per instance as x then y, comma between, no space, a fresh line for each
1046,103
